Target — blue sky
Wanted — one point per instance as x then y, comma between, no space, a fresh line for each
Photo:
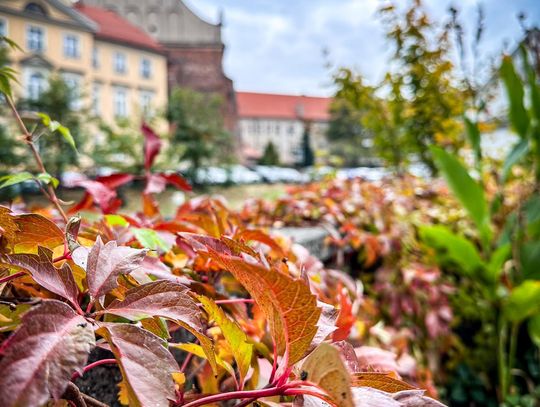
277,45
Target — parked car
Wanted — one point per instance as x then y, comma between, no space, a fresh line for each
238,174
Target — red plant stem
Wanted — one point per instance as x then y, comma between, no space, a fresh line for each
253,395
236,301
274,362
65,256
28,139
186,362
76,375
11,277
89,306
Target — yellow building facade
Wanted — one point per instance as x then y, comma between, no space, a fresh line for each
115,70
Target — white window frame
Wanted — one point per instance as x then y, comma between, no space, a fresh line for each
28,74
6,27
96,60
96,99
146,70
77,44
120,112
117,57
146,101
75,82
44,38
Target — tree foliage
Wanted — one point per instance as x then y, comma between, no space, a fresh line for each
198,135
270,155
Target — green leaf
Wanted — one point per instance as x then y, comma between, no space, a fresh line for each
453,248
519,151
47,178
534,329
9,180
523,301
497,260
533,85
530,260
150,239
474,138
515,91
55,126
467,191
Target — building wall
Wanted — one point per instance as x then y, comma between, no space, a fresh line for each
90,82
286,135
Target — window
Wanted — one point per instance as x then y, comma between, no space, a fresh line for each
120,102
73,81
35,8
36,85
146,68
3,27
96,99
120,65
35,39
71,46
146,103
95,57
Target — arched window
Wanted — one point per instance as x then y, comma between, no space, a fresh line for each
36,85
35,8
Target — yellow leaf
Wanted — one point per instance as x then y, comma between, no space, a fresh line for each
179,378
123,393
236,338
198,351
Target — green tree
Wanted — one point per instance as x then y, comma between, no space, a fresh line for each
198,134
359,114
425,73
308,157
121,147
270,155
58,101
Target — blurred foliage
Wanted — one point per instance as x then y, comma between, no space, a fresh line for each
57,101
198,134
270,155
416,105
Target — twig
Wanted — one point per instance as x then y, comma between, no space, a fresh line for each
28,139
7,279
74,396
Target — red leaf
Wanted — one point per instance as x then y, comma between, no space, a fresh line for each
107,262
159,298
152,146
59,281
100,194
41,356
155,184
146,364
177,181
115,180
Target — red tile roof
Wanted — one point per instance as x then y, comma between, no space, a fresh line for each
114,28
272,106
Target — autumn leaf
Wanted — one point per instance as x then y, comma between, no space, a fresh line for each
107,262
36,230
168,300
324,367
8,227
241,349
51,344
289,305
380,381
146,364
152,146
40,266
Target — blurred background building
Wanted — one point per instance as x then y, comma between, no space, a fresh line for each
282,120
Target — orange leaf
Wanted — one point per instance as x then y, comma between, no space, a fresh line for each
380,381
